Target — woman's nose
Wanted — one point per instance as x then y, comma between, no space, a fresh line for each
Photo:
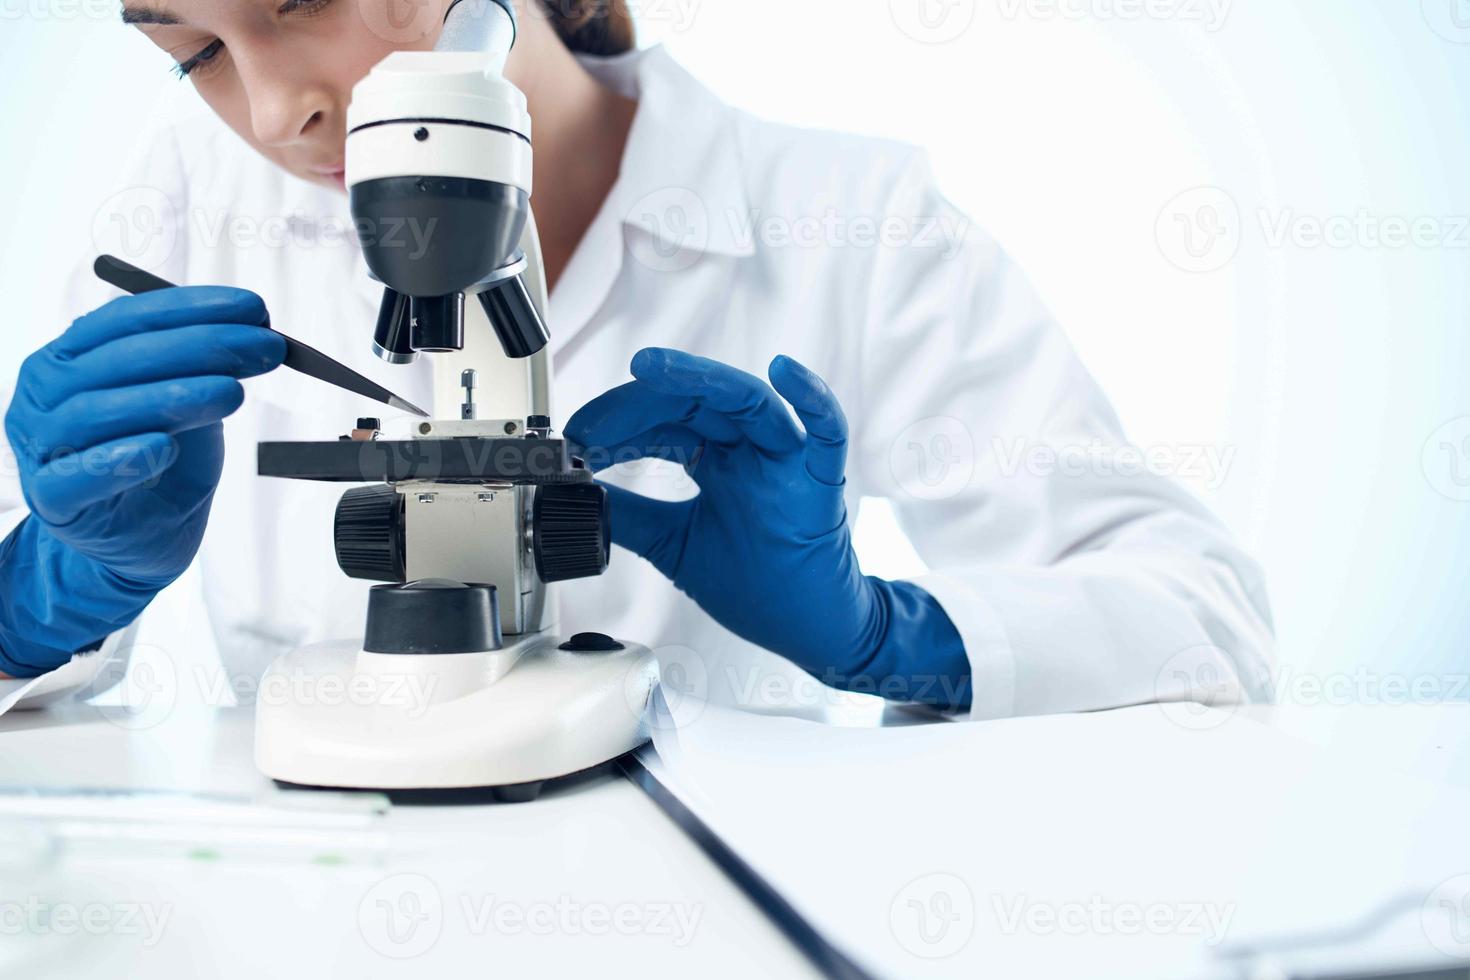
282,119
284,107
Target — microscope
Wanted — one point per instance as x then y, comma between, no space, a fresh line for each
469,516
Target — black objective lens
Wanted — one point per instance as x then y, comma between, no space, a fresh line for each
390,339
436,323
514,317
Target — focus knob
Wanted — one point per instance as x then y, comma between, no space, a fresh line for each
570,536
368,534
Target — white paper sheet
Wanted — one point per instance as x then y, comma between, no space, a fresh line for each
36,692
1146,842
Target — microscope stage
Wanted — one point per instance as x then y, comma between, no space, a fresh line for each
452,460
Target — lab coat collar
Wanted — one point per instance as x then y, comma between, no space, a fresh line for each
682,139
681,164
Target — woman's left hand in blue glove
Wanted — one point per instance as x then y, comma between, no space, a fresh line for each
765,547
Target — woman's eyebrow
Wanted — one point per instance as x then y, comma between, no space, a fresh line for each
144,15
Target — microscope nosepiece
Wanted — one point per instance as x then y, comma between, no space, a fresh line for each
432,236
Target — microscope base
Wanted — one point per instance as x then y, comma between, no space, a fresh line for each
333,716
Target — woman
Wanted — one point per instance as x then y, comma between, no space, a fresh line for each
699,242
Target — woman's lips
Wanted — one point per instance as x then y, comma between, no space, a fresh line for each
336,173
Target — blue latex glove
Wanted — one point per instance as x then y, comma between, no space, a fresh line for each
116,430
765,548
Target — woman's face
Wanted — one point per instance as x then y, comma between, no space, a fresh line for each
280,72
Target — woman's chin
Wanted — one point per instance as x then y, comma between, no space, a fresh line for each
336,181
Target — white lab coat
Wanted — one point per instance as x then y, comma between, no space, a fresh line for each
737,239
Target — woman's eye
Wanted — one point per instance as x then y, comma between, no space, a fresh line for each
185,68
303,7
212,51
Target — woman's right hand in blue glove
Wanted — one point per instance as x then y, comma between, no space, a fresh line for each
116,430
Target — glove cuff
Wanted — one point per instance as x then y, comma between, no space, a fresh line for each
918,653
55,601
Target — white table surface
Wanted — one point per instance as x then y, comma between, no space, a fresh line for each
597,847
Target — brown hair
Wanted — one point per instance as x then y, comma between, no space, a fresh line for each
595,27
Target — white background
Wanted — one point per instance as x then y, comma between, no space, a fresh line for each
1069,129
